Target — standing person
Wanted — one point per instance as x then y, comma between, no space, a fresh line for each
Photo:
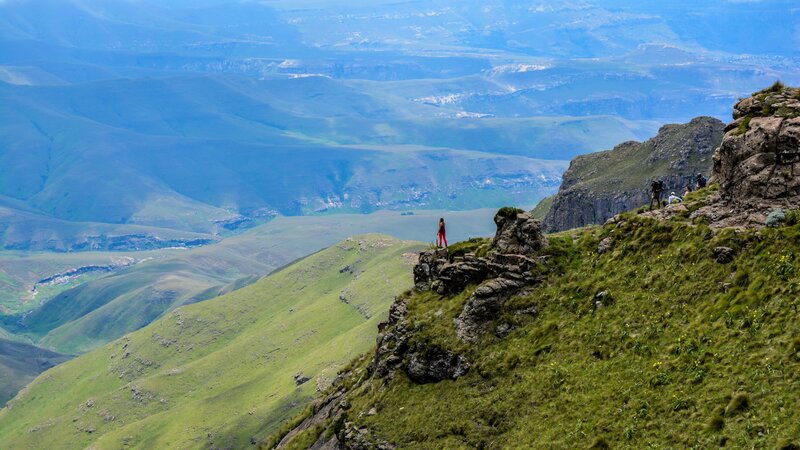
442,233
701,181
687,190
656,188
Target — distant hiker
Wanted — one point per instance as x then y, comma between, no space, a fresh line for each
656,189
687,190
673,199
442,233
701,181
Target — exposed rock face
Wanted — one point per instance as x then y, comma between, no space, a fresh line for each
484,306
759,159
422,363
393,337
502,273
435,365
517,232
600,185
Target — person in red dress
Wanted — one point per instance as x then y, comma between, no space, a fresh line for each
442,233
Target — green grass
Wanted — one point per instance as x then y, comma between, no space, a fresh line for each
690,354
744,125
20,363
777,86
82,316
541,209
221,371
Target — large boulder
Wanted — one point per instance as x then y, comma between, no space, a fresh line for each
517,232
484,307
758,162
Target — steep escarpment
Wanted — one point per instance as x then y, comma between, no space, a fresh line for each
655,330
599,185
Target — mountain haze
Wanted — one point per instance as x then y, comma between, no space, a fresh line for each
201,119
208,208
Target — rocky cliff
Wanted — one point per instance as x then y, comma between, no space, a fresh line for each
599,185
757,165
487,274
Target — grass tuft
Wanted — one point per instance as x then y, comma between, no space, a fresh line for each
509,211
717,423
743,126
740,402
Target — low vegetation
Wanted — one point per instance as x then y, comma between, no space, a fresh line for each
222,372
683,351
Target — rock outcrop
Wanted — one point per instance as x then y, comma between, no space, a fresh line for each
504,271
757,165
332,409
600,185
517,232
759,159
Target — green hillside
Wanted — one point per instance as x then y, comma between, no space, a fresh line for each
20,363
218,373
175,143
653,343
93,309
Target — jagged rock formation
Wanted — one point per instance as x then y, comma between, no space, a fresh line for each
600,185
760,155
502,272
517,232
757,165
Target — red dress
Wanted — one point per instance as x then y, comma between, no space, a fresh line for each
442,235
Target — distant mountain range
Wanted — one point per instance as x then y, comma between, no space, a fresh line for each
155,156
193,120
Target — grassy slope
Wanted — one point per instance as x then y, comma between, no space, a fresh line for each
691,354
220,371
20,363
541,208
